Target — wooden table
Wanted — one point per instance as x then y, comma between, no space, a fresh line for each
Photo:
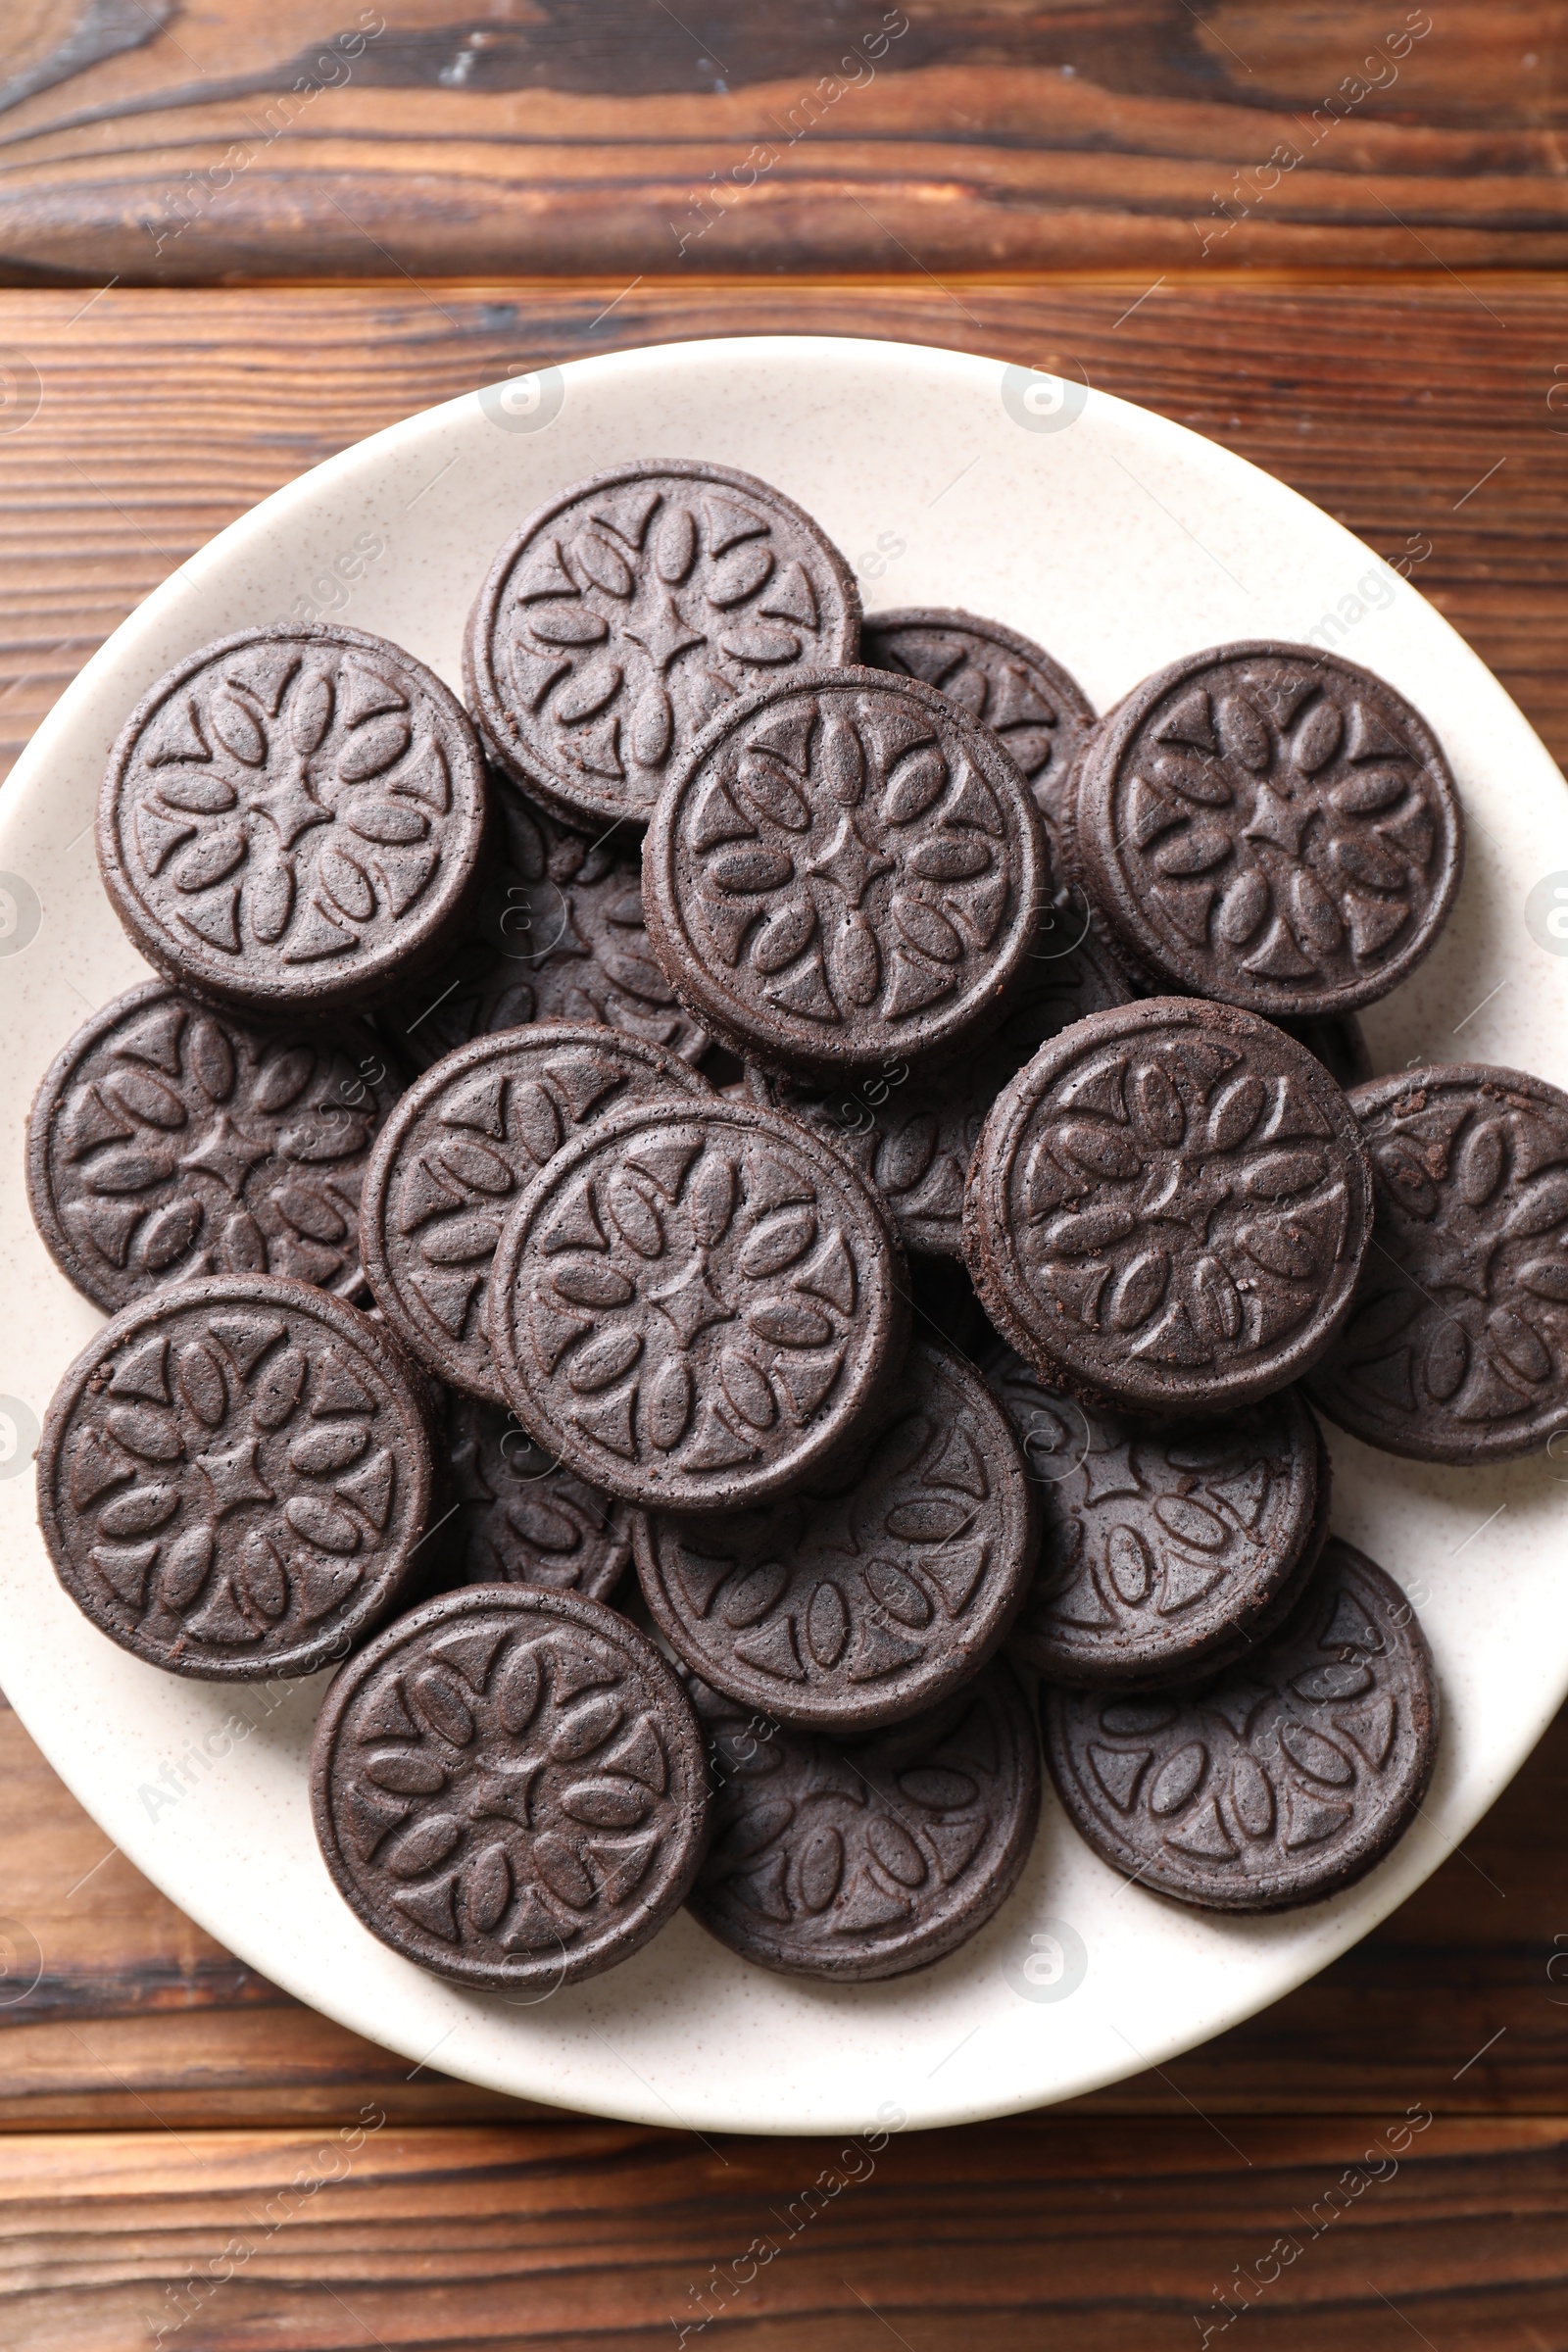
188,2156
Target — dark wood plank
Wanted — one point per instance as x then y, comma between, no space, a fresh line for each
1111,2237
136,2018
116,2010
162,415
168,144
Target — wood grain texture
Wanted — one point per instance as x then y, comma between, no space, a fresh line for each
1110,2237
1428,418
164,143
117,2012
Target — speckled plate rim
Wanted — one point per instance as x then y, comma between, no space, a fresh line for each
1118,540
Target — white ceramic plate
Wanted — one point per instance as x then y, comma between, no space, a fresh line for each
1119,541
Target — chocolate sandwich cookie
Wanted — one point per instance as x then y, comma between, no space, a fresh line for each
1270,826
845,871
1009,683
1457,1346
235,1477
557,936
696,1305
1339,1044
912,1131
521,1518
170,1139
1164,1552
509,1788
464,1140
1283,1780
292,820
872,1593
1168,1208
866,1859
628,609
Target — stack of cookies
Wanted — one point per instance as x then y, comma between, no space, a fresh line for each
731,1225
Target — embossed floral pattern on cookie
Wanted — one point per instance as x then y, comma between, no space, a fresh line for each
1457,1347
628,611
232,1478
558,935
524,1519
170,1140
914,1132
847,870
868,1860
1011,685
868,1597
1170,1205
1270,826
463,1143
1162,1550
291,817
1280,1783
509,1788
695,1304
